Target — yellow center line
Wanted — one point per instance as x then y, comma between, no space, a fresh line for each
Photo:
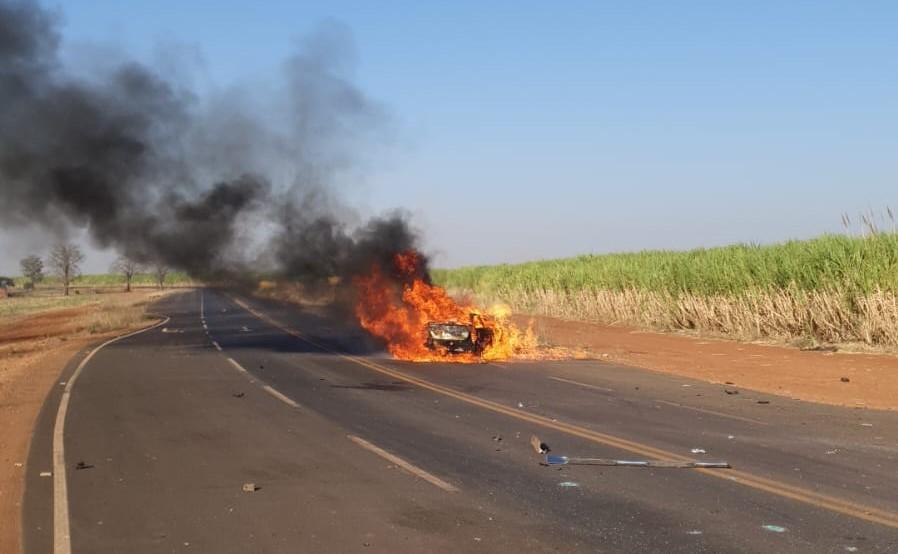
779,488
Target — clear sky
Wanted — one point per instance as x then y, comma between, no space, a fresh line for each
541,129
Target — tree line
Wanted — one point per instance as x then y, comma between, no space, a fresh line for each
64,261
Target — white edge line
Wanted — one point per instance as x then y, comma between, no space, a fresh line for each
234,363
413,469
62,540
217,346
587,385
280,396
712,412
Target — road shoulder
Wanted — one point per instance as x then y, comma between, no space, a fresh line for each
836,378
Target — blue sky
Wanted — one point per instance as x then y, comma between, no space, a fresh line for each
529,130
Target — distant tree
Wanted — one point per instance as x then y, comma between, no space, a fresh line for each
33,268
65,260
160,271
127,267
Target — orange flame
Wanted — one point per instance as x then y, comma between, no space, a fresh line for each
398,308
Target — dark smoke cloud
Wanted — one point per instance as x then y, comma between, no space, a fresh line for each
164,176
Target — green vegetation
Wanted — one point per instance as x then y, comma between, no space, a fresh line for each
830,262
834,288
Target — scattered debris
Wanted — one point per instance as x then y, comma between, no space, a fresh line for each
81,465
731,391
687,385
245,329
250,487
845,380
731,437
866,425
46,474
497,438
520,404
850,549
729,383
18,464
773,528
167,330
239,394
834,451
694,532
568,484
698,451
538,445
763,402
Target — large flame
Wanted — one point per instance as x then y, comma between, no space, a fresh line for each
397,303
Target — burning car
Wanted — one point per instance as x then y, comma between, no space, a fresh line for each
453,337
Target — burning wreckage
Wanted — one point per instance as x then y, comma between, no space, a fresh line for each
420,322
454,337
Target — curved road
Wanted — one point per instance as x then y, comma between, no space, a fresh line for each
341,449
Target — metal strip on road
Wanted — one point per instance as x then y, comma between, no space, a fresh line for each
62,540
778,488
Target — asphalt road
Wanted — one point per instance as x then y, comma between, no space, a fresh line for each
349,451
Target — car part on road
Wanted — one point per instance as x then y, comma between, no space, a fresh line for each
539,446
552,460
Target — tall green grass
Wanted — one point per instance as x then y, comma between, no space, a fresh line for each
830,262
834,288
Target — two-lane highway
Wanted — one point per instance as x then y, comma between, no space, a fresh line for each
351,451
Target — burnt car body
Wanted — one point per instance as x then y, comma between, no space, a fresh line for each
458,338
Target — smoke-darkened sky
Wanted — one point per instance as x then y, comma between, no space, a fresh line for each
139,161
573,127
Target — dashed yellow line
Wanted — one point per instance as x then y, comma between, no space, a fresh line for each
809,497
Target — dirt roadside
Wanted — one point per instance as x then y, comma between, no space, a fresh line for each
872,379
33,351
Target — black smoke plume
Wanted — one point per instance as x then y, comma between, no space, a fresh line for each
205,185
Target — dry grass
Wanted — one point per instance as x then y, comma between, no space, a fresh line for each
23,305
123,312
788,315
89,314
